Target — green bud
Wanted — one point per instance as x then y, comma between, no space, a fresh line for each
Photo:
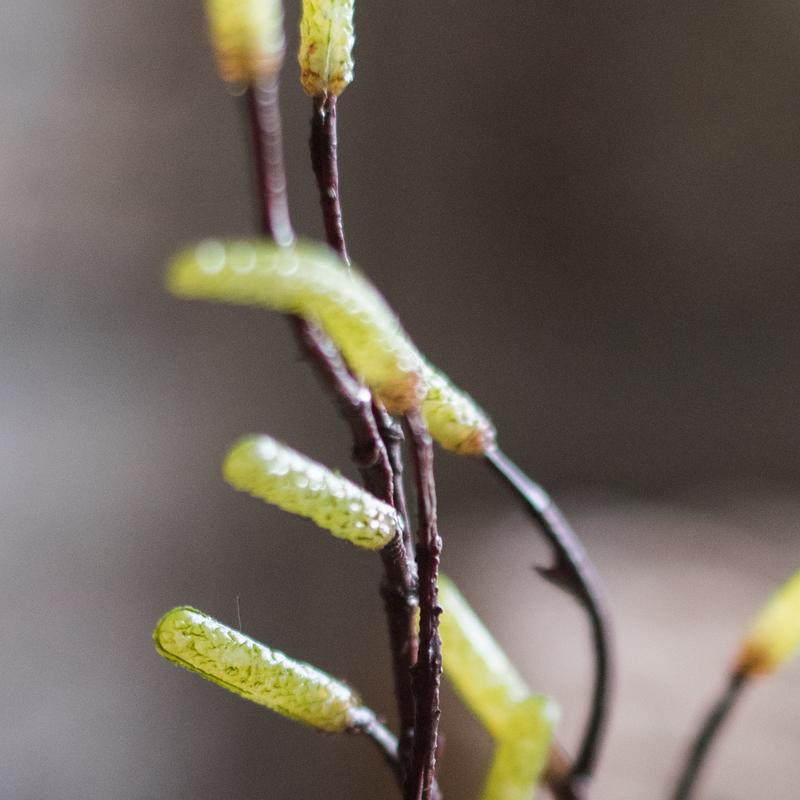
273,472
199,643
326,46
248,38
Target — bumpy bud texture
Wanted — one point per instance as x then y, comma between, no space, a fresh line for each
197,642
267,469
475,664
775,635
310,280
248,38
326,46
453,418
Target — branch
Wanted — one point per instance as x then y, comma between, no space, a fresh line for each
353,399
372,428
428,669
574,573
707,734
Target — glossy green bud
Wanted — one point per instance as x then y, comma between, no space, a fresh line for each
236,662
453,418
248,38
326,46
310,280
273,472
775,634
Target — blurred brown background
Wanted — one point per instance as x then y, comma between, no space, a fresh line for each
586,213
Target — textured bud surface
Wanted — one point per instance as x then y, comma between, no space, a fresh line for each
247,36
199,643
522,752
267,469
310,280
326,46
453,418
775,635
475,664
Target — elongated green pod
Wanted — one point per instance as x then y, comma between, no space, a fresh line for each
522,752
453,418
475,663
775,634
311,281
199,643
326,46
248,38
273,472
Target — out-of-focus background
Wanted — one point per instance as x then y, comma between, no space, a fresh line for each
586,213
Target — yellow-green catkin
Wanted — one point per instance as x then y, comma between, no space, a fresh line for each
248,38
326,46
520,722
775,634
309,280
453,418
273,472
475,664
522,751
236,662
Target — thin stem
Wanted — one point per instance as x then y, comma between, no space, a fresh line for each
384,740
398,588
324,159
428,669
265,118
707,734
573,572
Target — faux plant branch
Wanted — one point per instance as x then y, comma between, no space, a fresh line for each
573,572
385,387
771,641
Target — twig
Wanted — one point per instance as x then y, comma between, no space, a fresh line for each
573,572
324,159
428,669
398,588
707,735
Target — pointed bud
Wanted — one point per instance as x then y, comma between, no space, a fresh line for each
326,46
248,38
236,662
775,634
273,472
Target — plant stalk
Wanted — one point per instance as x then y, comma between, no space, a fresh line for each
428,669
706,736
375,428
573,572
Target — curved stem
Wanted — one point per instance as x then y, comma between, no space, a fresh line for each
706,736
574,573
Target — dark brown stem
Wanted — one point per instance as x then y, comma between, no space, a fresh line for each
428,669
392,434
398,588
265,123
707,734
574,573
324,160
